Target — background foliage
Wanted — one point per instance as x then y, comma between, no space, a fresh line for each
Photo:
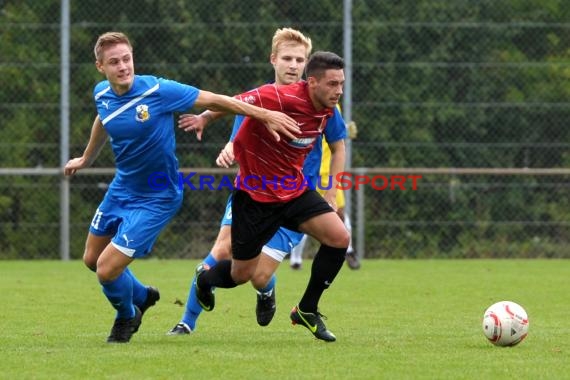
435,84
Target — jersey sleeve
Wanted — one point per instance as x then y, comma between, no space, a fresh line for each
238,120
335,129
177,97
265,96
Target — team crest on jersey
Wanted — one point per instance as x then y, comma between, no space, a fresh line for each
249,99
142,114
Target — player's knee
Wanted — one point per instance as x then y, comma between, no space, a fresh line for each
241,276
103,274
221,254
340,240
240,279
260,279
106,272
222,249
90,261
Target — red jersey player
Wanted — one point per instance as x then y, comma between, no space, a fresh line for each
271,191
274,170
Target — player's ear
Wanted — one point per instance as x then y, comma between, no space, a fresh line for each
312,81
99,67
273,59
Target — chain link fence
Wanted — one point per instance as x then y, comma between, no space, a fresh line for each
437,89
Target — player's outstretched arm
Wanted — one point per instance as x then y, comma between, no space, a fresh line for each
96,142
278,123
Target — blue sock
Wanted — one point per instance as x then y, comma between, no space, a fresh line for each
270,285
120,293
193,308
140,291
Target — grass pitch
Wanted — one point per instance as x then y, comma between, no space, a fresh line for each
392,319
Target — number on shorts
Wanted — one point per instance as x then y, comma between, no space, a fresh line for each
96,219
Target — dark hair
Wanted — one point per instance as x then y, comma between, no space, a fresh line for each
320,61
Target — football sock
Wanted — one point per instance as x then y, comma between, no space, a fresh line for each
220,276
326,265
296,256
193,308
349,229
269,287
140,291
119,292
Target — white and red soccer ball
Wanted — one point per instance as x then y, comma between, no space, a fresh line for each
505,323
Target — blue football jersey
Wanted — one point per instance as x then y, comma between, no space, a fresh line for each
140,124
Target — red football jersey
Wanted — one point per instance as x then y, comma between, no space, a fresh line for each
269,170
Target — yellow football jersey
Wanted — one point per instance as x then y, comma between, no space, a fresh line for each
325,170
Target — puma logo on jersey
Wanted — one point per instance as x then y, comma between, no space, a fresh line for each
127,240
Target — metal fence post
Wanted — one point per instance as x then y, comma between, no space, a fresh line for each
64,130
347,96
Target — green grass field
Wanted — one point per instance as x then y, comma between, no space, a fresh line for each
393,320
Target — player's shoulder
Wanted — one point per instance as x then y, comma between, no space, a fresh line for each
101,88
336,127
146,84
292,87
335,117
268,87
147,81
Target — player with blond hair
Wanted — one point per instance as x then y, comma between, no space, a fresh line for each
289,52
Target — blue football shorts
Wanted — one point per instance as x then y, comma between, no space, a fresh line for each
279,246
134,222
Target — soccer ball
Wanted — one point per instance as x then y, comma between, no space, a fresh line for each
505,323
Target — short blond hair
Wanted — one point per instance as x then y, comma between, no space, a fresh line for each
110,39
286,35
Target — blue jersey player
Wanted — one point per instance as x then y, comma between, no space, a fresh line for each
137,113
290,50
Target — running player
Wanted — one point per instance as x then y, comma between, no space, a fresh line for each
259,209
137,112
289,52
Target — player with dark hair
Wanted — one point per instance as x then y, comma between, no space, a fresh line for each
289,53
259,209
